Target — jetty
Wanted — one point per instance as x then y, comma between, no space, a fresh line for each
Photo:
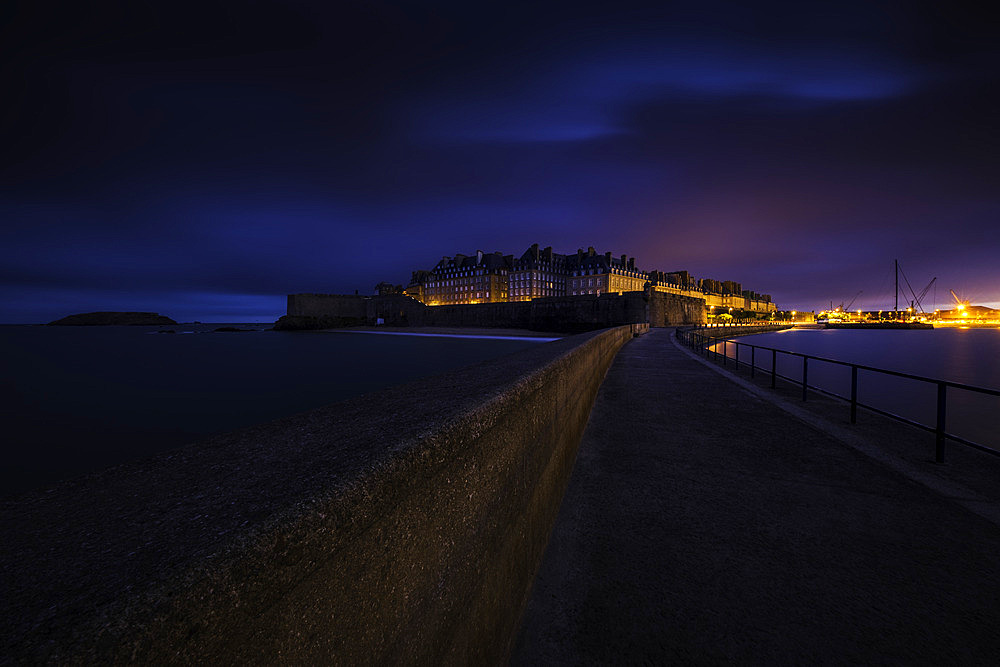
704,524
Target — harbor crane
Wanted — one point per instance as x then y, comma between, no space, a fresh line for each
919,297
848,308
842,308
915,305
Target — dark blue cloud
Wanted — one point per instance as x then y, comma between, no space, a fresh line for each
223,152
581,96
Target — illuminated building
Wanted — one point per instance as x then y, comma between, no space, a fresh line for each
676,282
479,278
538,273
417,286
591,273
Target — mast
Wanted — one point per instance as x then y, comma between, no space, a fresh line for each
897,286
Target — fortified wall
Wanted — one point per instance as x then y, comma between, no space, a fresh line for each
567,314
405,526
350,310
741,330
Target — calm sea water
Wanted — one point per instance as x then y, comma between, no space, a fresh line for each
968,356
79,399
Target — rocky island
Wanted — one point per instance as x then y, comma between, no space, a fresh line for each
105,318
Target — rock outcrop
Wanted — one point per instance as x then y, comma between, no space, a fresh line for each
105,318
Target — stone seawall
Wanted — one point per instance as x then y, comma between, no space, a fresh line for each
742,330
402,526
337,310
567,314
675,310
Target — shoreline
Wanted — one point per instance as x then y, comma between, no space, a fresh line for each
967,325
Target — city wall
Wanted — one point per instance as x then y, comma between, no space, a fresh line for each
673,310
568,314
348,310
404,526
741,330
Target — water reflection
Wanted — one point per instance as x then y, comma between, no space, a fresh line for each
967,356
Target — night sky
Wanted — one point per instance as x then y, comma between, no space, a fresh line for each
204,159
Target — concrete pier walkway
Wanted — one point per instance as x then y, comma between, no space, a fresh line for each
703,525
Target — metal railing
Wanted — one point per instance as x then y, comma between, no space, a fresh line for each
709,347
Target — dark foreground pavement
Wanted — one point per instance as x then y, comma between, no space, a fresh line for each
703,525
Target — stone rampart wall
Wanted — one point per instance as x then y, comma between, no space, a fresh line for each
341,305
741,330
667,309
568,314
404,526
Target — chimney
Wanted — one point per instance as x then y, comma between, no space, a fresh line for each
624,263
631,263
590,251
607,258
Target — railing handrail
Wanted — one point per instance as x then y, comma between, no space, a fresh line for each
942,385
863,367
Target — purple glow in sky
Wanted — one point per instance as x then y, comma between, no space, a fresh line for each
204,159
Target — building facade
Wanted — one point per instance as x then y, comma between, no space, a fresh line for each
591,273
537,274
540,273
462,279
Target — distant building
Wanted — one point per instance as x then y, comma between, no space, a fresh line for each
676,282
591,273
388,289
538,273
417,286
462,279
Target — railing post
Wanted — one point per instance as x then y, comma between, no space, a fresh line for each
725,352
774,368
737,359
753,363
854,394
805,376
941,412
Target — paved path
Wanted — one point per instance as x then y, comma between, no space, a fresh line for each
703,525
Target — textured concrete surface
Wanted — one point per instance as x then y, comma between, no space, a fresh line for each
401,526
567,314
705,525
452,331
740,330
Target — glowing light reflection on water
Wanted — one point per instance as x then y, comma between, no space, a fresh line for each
967,356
